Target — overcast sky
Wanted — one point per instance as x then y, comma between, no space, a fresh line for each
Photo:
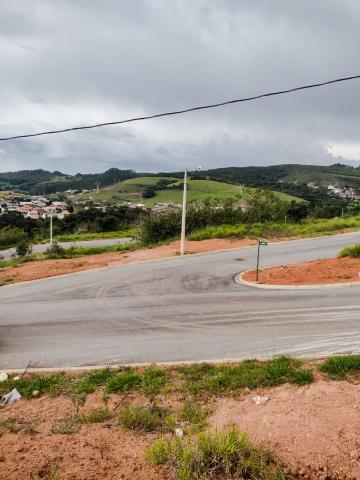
73,62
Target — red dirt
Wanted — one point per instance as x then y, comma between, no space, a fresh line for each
315,427
50,268
309,427
97,451
331,270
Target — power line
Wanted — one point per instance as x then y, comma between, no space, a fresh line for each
186,110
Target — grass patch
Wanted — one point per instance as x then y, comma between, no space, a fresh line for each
340,366
75,252
194,414
147,418
225,379
308,228
89,382
123,382
153,379
74,237
97,415
216,455
351,251
28,387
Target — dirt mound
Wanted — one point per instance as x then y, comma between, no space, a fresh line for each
331,270
315,426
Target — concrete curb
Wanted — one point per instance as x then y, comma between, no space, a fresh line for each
240,281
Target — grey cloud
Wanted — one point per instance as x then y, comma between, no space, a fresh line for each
70,63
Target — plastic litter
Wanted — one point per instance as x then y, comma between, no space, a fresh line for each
259,400
35,393
10,397
17,378
179,432
3,376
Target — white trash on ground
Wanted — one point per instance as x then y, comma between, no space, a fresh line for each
10,397
179,432
259,400
3,376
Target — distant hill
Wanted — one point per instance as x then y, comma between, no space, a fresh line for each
43,182
305,181
167,189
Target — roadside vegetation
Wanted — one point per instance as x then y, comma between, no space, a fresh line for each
197,380
351,251
77,237
341,365
305,228
173,405
215,455
56,252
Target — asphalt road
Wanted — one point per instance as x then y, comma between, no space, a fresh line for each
41,247
185,308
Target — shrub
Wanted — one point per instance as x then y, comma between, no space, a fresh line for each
55,251
11,235
23,248
216,455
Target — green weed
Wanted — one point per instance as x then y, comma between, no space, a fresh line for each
123,382
224,379
339,366
35,385
216,455
352,251
146,418
98,415
153,379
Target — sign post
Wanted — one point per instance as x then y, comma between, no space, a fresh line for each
260,242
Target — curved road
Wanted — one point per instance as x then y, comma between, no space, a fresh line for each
178,309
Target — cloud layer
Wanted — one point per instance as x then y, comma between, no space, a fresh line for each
71,63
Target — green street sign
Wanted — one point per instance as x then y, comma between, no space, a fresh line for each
261,242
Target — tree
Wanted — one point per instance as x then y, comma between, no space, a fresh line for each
353,208
263,205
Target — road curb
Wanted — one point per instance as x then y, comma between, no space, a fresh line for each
240,281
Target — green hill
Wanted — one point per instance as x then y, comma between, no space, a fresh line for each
199,190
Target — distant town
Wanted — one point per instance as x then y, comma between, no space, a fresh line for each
40,206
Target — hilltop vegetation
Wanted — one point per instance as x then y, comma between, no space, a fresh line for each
296,180
41,182
153,190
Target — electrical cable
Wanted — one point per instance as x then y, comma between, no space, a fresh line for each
185,110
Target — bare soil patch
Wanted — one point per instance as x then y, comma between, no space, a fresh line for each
51,268
314,428
331,270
